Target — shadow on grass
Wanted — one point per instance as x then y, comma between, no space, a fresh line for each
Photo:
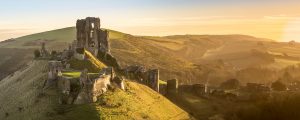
77,112
196,109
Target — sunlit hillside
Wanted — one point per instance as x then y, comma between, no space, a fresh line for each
28,96
190,58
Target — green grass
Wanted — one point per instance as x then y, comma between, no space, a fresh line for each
137,102
25,90
162,82
77,112
83,64
58,39
96,62
75,74
173,55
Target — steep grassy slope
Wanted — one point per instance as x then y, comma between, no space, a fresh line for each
22,96
12,60
137,102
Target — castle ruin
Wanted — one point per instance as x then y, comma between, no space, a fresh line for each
91,37
149,77
92,42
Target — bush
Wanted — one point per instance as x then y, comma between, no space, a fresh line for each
278,86
37,53
53,53
230,84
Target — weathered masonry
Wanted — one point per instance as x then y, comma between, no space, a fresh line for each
91,37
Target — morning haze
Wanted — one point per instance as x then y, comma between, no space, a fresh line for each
150,60
266,19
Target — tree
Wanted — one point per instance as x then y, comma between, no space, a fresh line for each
37,53
278,86
230,84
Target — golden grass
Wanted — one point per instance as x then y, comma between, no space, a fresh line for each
137,102
94,60
75,74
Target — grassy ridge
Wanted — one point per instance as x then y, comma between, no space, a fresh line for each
137,102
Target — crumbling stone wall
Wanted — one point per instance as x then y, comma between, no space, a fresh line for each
100,86
172,86
54,70
148,77
153,80
64,86
93,88
43,51
91,37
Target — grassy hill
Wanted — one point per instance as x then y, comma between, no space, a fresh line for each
22,96
189,58
137,102
29,100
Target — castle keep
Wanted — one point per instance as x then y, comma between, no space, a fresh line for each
91,49
91,37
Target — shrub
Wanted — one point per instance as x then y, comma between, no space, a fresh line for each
53,53
37,53
278,86
230,84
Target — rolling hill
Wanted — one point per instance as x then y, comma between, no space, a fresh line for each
189,58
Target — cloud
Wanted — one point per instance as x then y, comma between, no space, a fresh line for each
12,33
8,30
279,17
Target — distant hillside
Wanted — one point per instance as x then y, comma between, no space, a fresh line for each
189,58
29,100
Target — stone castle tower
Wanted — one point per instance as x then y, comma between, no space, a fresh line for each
91,37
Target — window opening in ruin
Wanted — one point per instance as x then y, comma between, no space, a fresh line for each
91,34
92,44
92,25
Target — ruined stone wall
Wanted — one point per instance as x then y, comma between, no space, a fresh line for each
93,88
100,86
54,68
44,53
91,37
103,41
148,77
172,86
153,80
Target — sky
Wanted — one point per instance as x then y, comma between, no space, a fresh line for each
273,19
